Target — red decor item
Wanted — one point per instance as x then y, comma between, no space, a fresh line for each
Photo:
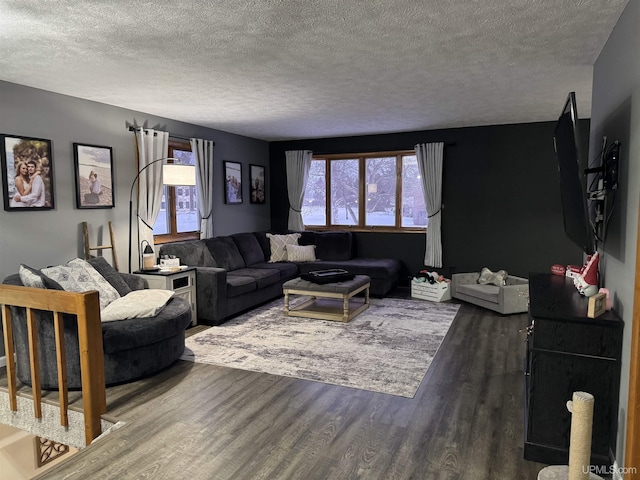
558,269
587,281
573,271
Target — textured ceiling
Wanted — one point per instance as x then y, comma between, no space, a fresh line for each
285,69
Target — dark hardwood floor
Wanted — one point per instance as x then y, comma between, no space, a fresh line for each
197,421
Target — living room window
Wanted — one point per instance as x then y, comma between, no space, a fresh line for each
386,184
178,217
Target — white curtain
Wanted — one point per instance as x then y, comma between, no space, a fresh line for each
430,166
152,145
298,164
203,151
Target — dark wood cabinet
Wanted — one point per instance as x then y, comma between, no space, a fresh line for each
568,352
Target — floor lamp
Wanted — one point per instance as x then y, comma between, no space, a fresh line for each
172,174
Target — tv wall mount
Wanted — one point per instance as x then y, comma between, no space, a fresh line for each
603,186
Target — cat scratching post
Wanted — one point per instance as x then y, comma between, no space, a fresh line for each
581,408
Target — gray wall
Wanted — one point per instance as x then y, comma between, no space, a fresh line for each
616,114
42,238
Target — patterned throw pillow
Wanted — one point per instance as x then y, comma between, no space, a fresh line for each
488,277
301,253
79,276
30,277
277,244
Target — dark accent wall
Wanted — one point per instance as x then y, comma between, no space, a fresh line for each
500,193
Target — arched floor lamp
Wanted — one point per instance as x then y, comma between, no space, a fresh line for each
172,174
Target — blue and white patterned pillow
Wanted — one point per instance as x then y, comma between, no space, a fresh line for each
79,276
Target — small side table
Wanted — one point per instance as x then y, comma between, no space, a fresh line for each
182,282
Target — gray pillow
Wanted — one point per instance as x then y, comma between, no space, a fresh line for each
110,274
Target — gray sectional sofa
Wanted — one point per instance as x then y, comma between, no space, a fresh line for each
233,273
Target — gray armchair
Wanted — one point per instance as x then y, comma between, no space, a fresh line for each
510,298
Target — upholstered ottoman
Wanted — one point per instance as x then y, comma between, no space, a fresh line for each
330,301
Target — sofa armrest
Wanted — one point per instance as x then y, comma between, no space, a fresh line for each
514,298
211,294
513,280
135,282
463,279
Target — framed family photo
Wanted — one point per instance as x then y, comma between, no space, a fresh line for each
27,173
232,182
94,176
256,186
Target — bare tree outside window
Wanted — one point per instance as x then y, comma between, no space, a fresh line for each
366,191
381,191
344,192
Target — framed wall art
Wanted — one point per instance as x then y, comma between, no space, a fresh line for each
256,187
27,173
94,176
232,182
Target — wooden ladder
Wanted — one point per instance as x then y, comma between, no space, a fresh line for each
88,249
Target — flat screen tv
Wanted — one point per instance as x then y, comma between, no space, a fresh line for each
573,181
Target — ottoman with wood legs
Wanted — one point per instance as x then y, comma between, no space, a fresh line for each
329,301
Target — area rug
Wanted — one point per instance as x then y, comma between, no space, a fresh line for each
388,348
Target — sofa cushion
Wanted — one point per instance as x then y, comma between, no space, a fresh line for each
263,276
190,252
265,245
225,253
484,292
79,276
110,274
307,237
239,285
139,304
249,248
301,253
334,245
132,333
372,267
287,270
277,244
34,278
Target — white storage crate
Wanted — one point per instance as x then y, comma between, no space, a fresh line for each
436,292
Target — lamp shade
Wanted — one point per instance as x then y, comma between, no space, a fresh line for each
173,174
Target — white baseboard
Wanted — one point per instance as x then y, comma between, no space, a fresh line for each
3,361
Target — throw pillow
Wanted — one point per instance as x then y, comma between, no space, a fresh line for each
79,276
110,274
278,243
137,304
488,277
301,253
31,277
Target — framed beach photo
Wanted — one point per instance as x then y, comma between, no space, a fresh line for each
94,176
232,183
256,186
27,173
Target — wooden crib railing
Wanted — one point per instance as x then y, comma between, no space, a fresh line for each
86,307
